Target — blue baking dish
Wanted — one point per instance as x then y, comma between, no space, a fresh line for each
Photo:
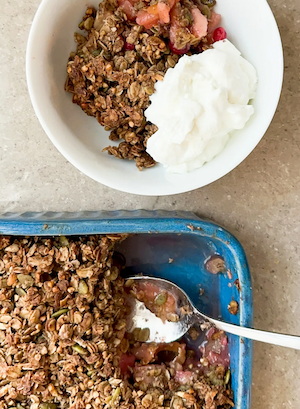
175,246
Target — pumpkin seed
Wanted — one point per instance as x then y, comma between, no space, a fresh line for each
172,64
215,380
206,11
160,299
77,348
149,90
96,52
227,377
115,395
141,335
82,287
47,406
3,283
188,16
59,313
63,241
25,280
136,333
20,292
144,335
209,3
88,23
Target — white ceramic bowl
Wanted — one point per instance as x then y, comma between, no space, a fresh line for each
250,26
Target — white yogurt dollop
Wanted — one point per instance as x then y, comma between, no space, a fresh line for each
198,104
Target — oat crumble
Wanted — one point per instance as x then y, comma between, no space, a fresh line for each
63,340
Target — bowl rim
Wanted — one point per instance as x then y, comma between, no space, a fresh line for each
149,222
174,189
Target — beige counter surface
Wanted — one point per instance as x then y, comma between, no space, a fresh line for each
259,201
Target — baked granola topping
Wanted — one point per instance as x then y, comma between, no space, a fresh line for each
128,47
63,339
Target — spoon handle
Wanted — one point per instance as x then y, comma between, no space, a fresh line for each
289,341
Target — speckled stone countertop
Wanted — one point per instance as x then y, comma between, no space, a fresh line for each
259,201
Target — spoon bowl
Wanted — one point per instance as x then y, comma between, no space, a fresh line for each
163,331
160,331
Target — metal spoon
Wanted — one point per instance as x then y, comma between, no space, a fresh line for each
167,331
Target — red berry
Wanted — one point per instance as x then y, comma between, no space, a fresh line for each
179,52
128,46
126,361
219,34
